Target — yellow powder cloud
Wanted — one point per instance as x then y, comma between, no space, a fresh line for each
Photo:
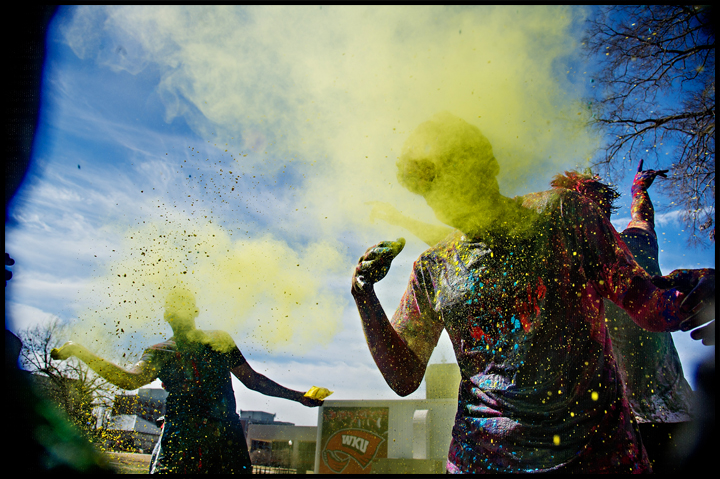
339,88
262,291
330,94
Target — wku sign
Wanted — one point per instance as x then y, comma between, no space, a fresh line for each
352,439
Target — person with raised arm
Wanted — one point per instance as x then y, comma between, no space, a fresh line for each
660,397
519,288
202,432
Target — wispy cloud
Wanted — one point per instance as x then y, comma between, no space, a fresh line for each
20,316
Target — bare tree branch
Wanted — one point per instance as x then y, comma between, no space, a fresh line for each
656,91
71,384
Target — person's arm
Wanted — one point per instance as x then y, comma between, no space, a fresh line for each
402,369
428,233
699,287
139,375
641,210
678,305
257,382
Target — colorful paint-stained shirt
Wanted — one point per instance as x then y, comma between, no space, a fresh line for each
540,389
649,363
196,375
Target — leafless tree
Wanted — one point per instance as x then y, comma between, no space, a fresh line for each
654,94
74,387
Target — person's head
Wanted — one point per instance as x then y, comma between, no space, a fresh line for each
451,164
180,309
589,186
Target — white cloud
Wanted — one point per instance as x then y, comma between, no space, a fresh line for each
669,218
19,317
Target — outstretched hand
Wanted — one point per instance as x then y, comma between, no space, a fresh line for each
64,352
310,402
644,178
375,263
698,285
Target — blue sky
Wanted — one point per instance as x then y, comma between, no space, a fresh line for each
236,148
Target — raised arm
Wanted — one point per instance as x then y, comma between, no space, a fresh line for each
257,382
676,303
641,209
139,375
402,369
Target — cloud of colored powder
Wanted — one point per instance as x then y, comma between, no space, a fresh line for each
256,288
320,100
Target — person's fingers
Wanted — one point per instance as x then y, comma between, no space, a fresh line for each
640,165
377,252
373,252
684,280
308,400
706,333
701,295
375,263
366,266
384,248
661,282
702,313
644,179
59,354
650,175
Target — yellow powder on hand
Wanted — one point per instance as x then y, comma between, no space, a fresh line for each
318,393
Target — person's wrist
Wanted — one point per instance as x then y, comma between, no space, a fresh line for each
361,288
638,189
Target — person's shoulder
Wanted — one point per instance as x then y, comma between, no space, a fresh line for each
544,201
216,333
220,340
166,346
558,200
441,248
160,351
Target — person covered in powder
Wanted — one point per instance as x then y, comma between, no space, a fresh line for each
202,432
519,289
660,396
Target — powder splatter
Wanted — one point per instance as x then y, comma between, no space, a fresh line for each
325,97
260,290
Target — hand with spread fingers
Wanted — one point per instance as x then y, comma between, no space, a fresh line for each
375,263
698,285
644,178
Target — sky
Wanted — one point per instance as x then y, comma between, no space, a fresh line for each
235,151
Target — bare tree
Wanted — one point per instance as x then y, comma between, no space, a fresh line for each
655,92
72,385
